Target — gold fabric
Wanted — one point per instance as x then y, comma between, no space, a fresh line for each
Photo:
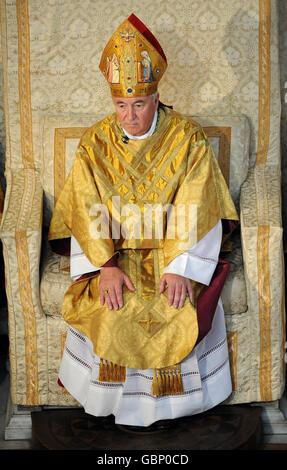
138,334
130,63
149,174
167,380
176,166
110,372
63,131
1,202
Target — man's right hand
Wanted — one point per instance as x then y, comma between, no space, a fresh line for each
111,287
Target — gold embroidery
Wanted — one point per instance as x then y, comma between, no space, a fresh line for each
30,326
150,320
61,134
63,342
283,316
264,312
147,324
130,63
28,312
261,195
110,372
264,81
167,381
24,83
263,219
232,352
1,202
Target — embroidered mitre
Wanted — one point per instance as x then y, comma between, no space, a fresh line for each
133,61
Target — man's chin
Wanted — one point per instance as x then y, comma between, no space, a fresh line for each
133,130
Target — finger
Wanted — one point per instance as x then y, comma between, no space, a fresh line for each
113,298
190,291
177,296
119,296
182,297
162,284
128,283
108,301
102,297
171,292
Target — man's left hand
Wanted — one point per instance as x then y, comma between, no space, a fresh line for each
178,287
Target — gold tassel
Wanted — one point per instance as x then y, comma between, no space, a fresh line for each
167,381
110,372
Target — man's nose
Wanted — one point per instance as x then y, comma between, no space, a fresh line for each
131,114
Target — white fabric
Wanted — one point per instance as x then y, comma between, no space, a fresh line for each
193,263
205,371
205,374
79,263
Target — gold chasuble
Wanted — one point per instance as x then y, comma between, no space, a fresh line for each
147,201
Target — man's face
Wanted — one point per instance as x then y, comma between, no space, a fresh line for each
136,114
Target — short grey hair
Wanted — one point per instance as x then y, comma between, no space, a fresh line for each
154,96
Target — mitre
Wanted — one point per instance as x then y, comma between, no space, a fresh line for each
133,61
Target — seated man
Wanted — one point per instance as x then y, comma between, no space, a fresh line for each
141,210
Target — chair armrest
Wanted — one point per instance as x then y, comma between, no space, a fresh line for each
23,203
260,198
262,234
262,249
21,235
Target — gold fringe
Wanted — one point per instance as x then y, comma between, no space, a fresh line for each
110,372
167,381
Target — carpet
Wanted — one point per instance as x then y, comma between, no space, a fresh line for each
222,428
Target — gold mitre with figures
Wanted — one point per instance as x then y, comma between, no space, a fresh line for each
133,61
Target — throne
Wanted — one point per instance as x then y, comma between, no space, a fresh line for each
223,71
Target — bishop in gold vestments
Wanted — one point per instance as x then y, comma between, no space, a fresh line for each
148,203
